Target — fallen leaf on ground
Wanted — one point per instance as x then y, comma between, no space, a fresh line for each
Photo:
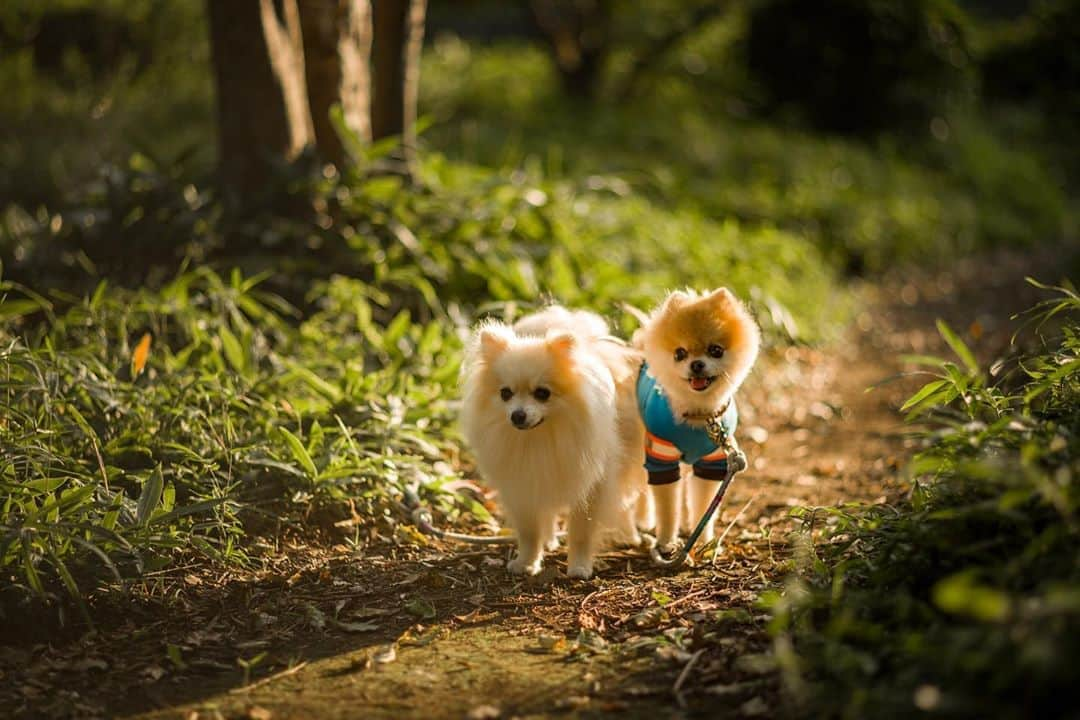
409,535
420,636
354,627
723,689
593,641
650,618
754,707
673,654
476,616
572,703
484,712
548,644
153,672
88,664
384,655
367,612
756,663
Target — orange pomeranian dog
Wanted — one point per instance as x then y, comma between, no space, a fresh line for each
548,410
698,350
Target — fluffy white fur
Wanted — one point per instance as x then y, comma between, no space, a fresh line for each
575,451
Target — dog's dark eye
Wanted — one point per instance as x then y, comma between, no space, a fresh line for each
680,354
541,393
506,394
716,351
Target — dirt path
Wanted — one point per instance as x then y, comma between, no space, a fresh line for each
392,630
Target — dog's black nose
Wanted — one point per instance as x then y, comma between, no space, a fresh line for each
698,366
518,417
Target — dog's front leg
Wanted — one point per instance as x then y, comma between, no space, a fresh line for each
581,535
530,541
550,541
668,502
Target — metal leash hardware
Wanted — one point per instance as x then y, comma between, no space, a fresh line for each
736,463
425,523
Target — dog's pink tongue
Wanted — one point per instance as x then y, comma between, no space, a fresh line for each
699,383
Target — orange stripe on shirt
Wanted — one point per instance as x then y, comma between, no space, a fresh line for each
718,454
657,456
660,449
658,440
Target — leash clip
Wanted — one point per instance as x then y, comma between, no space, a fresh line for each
736,463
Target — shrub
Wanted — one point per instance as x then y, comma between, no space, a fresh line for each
963,601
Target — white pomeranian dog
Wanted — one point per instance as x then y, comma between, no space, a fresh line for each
550,413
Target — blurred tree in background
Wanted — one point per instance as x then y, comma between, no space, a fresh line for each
337,47
582,36
579,37
399,37
280,67
140,75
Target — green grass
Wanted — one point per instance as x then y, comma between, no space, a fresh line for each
243,419
963,601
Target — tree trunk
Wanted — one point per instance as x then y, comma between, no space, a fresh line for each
578,33
337,43
399,37
263,113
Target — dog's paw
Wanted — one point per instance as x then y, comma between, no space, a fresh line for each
552,545
669,547
581,572
518,566
667,544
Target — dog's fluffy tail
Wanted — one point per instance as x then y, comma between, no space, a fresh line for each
637,313
642,318
555,317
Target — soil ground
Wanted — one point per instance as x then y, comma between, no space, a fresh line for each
389,628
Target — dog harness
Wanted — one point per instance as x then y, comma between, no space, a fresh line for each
669,441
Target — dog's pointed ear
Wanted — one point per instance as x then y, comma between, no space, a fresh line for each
560,341
721,297
674,301
493,340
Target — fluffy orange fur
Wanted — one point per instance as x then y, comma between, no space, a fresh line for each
694,321
696,324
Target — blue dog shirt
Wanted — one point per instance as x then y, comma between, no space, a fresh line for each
669,441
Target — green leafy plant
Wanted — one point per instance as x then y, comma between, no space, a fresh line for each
965,600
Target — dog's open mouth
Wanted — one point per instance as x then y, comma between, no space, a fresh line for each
538,423
701,383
